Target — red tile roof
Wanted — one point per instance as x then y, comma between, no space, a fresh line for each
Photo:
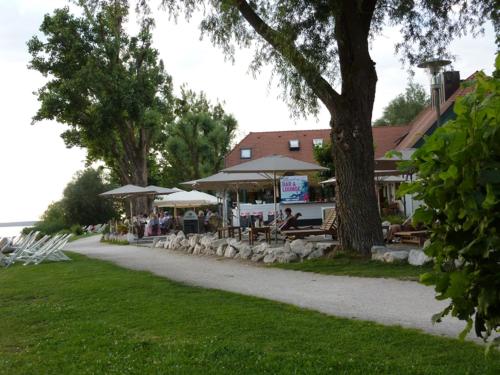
276,142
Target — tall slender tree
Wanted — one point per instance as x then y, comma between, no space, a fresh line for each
320,50
110,88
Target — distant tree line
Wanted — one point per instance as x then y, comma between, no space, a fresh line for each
80,205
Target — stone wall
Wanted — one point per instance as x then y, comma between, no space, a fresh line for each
209,244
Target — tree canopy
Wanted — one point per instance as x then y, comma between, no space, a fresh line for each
459,183
404,107
110,88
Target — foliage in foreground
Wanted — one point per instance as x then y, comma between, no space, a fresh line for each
459,181
91,317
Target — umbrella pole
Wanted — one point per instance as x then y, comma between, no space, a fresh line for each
238,204
275,209
224,208
131,228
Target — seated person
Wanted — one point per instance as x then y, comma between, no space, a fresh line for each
291,221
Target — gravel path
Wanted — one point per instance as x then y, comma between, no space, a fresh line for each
387,301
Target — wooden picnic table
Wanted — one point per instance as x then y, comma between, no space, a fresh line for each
254,232
221,231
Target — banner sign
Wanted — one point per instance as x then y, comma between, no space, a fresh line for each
294,189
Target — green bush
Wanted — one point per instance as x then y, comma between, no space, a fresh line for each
76,229
459,182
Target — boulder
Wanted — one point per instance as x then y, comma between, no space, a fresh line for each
159,244
318,253
209,251
260,248
269,258
288,257
417,257
245,252
193,240
297,246
180,235
395,256
258,257
185,243
230,252
206,240
221,249
197,249
378,252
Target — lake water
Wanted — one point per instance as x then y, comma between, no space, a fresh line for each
10,231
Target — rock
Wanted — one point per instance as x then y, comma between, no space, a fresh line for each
269,258
216,242
378,252
180,235
297,246
275,250
197,249
418,258
206,240
159,244
185,243
318,253
287,257
395,256
230,252
245,252
193,240
209,251
258,257
260,248
221,249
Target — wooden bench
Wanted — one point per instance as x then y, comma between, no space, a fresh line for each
416,237
329,226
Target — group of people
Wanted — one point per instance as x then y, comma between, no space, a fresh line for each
154,224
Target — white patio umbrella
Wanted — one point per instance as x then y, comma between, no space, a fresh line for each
186,199
223,181
272,166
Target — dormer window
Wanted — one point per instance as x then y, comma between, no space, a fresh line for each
294,144
318,142
245,153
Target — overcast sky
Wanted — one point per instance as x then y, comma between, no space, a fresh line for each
35,165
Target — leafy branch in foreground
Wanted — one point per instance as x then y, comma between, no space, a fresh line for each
459,182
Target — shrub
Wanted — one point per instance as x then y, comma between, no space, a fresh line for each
76,230
459,182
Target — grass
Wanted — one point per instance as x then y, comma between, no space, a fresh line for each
351,265
115,242
91,317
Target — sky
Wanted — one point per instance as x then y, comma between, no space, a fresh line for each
35,165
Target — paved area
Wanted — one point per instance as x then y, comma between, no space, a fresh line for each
386,301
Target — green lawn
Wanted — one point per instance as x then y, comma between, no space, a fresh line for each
362,267
91,317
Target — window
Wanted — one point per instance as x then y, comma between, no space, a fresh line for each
294,144
318,142
246,153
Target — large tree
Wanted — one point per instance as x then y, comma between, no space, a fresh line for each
320,50
111,89
405,107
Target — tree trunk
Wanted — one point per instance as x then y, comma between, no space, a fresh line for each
352,139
